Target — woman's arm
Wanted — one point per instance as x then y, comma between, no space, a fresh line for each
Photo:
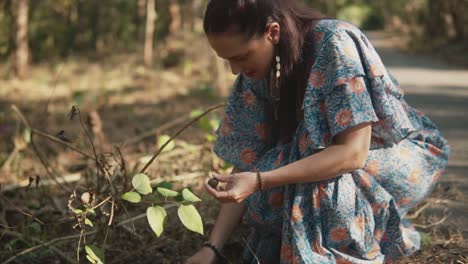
348,152
228,218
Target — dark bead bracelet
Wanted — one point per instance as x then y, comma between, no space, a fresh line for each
219,255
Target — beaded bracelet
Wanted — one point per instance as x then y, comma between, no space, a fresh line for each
218,253
260,182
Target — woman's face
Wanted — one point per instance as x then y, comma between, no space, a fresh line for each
253,57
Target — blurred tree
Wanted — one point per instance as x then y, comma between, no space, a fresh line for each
176,17
22,48
150,18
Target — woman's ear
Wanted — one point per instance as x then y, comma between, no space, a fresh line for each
273,32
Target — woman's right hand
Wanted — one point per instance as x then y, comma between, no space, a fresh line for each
204,256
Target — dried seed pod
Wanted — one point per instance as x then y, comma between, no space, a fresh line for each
213,183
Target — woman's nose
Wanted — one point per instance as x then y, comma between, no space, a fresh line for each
235,68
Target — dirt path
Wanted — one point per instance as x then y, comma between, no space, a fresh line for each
441,91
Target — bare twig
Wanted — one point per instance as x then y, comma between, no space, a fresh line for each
188,176
53,248
156,131
43,161
432,224
178,132
21,211
56,240
58,140
418,212
75,108
24,183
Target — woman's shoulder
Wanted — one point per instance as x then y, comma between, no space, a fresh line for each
326,29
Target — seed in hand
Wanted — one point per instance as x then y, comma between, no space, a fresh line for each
213,183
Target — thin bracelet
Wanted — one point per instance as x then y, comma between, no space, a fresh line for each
218,253
260,182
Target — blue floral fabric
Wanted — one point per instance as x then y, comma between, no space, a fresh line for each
357,217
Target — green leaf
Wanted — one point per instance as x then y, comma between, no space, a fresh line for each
210,137
132,197
88,222
204,123
78,211
426,239
167,192
190,217
94,253
91,211
141,183
165,184
214,124
36,228
162,140
156,216
90,259
27,135
196,113
189,196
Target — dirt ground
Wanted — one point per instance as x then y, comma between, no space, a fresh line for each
130,101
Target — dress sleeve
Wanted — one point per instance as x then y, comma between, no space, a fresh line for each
242,135
348,86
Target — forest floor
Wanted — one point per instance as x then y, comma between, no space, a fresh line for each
126,103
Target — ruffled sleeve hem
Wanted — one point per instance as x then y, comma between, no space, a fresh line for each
349,85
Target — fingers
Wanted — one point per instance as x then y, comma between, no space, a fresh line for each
223,178
224,196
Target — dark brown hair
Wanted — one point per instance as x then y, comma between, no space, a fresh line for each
295,48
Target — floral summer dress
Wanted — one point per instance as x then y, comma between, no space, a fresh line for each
357,217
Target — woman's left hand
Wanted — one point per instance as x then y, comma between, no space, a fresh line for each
238,187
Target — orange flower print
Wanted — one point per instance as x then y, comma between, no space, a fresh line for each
247,156
414,176
359,224
339,233
343,118
279,159
286,253
343,261
378,235
323,107
372,167
365,180
404,201
261,130
318,248
376,207
226,127
435,150
376,70
357,85
373,252
405,153
303,143
249,98
318,36
317,79
276,199
297,213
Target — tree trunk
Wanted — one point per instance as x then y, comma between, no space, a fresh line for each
176,20
140,20
22,49
150,18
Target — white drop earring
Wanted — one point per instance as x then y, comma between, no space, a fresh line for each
278,70
275,86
